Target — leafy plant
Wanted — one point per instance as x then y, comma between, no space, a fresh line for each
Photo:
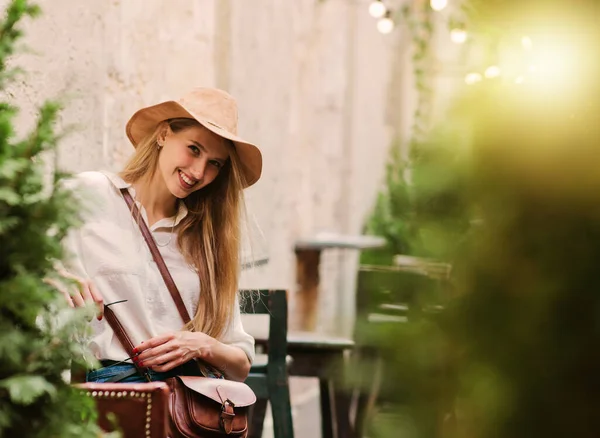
36,327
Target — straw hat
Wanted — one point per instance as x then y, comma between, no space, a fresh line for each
212,108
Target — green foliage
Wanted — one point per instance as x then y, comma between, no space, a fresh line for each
508,193
391,217
394,215
36,327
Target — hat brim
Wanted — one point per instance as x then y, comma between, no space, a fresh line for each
145,120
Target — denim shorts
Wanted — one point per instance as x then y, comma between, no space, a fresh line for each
103,374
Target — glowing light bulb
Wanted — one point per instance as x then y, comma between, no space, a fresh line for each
526,42
458,36
385,25
493,71
473,78
438,5
377,9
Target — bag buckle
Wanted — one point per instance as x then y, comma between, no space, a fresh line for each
227,415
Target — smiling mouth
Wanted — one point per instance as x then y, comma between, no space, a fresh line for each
186,181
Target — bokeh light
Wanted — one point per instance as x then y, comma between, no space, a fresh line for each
458,36
438,5
385,25
473,78
377,9
493,71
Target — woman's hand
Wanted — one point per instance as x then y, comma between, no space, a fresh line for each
82,295
165,352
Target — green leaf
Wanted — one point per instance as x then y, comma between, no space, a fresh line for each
10,168
9,196
25,389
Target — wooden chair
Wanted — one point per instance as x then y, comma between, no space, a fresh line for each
269,380
320,356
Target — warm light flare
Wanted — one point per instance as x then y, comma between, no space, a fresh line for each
554,63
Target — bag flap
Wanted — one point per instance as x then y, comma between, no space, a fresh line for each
220,390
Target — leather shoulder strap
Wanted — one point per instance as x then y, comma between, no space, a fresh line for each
162,267
124,339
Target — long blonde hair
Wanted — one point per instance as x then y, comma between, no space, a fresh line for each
209,236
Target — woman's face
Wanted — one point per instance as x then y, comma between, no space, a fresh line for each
190,159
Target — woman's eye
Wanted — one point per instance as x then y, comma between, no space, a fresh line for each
194,150
217,164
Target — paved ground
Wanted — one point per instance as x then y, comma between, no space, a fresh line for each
305,409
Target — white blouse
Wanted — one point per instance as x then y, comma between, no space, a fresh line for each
110,250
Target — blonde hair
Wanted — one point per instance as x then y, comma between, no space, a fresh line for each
209,236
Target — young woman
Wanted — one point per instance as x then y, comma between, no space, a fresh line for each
186,177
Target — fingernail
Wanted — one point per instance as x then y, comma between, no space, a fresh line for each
141,364
135,350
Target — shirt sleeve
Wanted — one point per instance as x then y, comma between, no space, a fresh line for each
235,334
80,187
71,243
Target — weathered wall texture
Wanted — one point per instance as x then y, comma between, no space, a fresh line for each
311,78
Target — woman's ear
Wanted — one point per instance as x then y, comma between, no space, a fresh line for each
163,131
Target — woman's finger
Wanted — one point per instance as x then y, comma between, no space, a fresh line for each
156,352
165,367
84,290
154,342
77,297
162,358
174,360
97,298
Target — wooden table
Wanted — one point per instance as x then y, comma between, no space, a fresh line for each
319,355
308,257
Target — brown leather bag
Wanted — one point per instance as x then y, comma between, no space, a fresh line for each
201,407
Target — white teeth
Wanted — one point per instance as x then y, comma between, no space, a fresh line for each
186,179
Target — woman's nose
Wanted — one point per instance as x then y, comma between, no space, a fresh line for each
198,170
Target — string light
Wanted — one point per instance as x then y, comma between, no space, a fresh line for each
473,78
438,5
377,9
519,80
526,42
493,71
385,24
458,36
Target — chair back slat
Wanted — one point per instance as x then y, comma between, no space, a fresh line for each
273,303
270,381
254,301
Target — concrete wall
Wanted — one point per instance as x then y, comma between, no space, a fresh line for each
312,79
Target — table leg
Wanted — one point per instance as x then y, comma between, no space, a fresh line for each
326,411
341,402
307,278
